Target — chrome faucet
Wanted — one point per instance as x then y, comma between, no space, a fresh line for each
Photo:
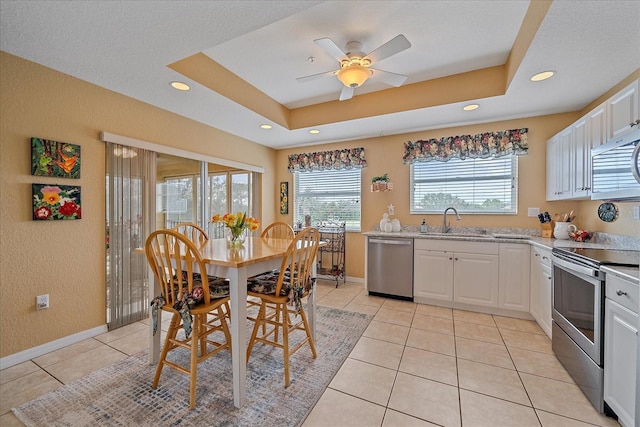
446,227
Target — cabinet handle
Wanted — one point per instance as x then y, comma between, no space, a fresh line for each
450,258
537,254
545,257
620,293
549,277
456,259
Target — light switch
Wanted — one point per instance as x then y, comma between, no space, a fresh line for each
533,212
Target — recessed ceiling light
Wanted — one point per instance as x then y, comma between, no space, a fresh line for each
265,126
542,76
180,86
470,107
314,131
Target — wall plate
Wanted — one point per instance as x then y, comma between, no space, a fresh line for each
608,212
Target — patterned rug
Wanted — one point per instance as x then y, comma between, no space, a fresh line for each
121,394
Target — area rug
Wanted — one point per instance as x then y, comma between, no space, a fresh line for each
121,394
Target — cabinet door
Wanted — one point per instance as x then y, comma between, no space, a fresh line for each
514,276
535,280
545,303
475,279
622,110
620,352
552,159
581,174
433,275
564,165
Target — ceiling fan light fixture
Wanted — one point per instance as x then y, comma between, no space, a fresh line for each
353,76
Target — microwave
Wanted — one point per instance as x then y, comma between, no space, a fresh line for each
615,174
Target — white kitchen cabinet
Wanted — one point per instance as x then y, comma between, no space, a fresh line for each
455,272
433,275
475,279
559,163
514,279
620,348
622,110
540,282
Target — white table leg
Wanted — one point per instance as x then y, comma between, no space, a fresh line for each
238,290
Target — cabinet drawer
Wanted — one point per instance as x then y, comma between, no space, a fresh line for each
456,246
543,256
622,291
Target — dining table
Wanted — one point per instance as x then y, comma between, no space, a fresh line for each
257,255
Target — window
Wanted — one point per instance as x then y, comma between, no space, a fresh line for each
328,195
470,185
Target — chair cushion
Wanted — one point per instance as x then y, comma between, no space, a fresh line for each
265,283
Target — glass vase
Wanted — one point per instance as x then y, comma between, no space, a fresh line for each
236,241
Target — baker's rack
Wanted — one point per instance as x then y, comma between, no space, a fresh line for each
331,256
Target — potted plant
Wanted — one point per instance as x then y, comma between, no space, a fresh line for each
380,183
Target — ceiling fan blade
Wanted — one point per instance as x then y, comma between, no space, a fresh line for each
393,46
347,93
331,48
311,77
392,79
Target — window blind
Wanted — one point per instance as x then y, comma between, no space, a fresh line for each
328,195
470,185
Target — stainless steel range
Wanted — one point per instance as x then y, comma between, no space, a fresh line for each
578,313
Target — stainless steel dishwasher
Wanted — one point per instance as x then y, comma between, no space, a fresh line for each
390,267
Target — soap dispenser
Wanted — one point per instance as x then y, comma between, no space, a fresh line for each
423,226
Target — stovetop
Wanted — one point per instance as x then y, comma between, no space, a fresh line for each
620,257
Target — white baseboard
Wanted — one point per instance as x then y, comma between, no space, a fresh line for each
23,356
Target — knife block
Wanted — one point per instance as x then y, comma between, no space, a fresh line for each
547,229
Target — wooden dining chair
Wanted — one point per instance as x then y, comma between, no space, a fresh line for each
197,235
278,230
192,231
195,307
275,230
280,296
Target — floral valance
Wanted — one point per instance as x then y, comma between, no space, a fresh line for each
481,145
336,159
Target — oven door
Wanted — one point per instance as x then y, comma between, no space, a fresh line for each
578,301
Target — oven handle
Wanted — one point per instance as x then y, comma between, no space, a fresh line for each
571,266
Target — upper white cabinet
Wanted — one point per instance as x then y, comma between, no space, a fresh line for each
569,151
558,161
622,111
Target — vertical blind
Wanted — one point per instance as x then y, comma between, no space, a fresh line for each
470,185
328,196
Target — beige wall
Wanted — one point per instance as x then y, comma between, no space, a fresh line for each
66,259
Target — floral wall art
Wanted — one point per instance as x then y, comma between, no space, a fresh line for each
284,198
53,158
56,202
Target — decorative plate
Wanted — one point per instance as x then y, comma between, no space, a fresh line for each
608,212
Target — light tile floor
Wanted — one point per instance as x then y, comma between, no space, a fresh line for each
415,365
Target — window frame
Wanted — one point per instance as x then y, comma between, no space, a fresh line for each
351,225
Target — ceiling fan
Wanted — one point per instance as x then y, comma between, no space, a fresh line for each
355,65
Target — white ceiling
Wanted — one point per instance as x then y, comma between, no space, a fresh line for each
125,46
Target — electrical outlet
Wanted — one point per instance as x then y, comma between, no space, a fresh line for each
636,212
42,302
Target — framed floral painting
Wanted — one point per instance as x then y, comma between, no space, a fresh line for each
284,198
56,202
53,158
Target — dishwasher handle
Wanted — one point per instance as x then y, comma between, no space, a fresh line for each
392,242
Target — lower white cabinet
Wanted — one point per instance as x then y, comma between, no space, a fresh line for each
620,348
541,288
475,279
433,275
514,276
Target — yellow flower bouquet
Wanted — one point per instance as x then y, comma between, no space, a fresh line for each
237,224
